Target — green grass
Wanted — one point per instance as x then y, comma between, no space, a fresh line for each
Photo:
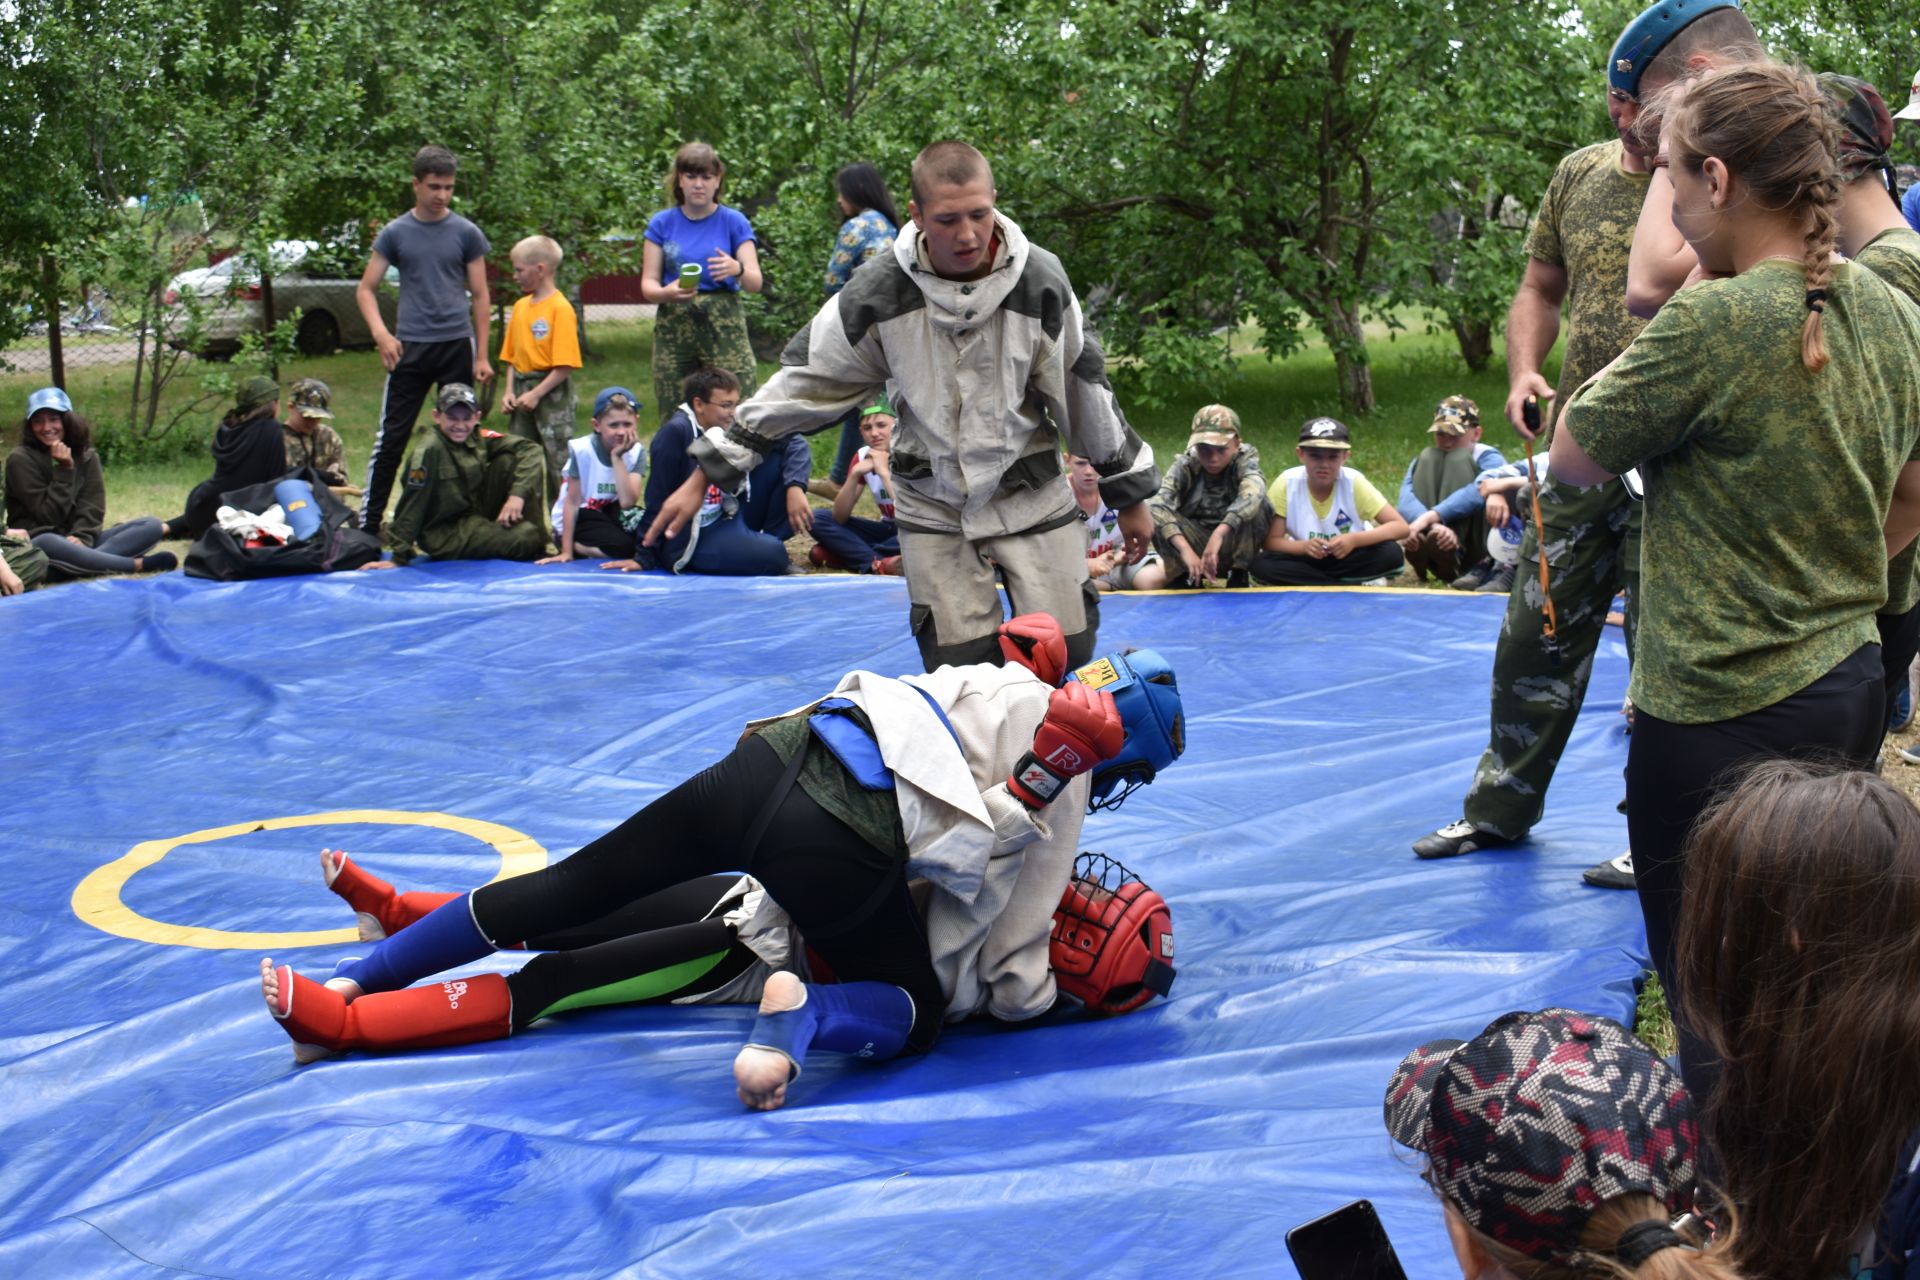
1412,372
1652,1021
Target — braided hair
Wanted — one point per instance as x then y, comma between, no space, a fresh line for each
1771,125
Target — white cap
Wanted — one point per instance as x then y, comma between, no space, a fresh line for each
1912,110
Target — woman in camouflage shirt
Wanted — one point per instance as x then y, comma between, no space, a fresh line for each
1771,410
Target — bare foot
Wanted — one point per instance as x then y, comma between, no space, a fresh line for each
280,1004
761,1076
365,923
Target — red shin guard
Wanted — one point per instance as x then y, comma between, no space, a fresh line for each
369,895
460,1011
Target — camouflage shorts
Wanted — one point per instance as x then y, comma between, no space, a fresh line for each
27,561
709,332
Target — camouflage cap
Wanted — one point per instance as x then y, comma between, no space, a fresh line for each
311,397
1325,433
254,392
1866,128
1540,1119
1456,416
1215,424
454,393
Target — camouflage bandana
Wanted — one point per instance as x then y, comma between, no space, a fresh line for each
1539,1120
1866,127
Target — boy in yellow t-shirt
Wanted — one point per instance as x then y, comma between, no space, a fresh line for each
1330,524
540,352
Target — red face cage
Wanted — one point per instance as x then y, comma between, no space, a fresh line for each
1112,942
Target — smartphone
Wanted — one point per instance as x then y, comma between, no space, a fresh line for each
1347,1244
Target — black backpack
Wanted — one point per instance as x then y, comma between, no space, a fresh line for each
337,544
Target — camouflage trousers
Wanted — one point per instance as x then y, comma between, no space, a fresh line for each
479,537
1592,546
551,425
1242,544
709,332
27,561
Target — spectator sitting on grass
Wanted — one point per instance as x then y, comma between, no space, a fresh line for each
57,493
469,493
598,512
249,448
23,566
1509,501
736,535
855,542
1211,511
1446,513
310,439
1330,525
1107,566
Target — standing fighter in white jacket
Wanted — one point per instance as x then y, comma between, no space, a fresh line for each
978,339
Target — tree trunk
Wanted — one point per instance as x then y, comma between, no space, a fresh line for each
50,307
266,321
1340,325
1476,343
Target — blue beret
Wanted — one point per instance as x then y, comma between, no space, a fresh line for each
1651,32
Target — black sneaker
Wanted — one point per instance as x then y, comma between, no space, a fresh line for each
1237,579
1457,838
1472,578
1614,873
1501,580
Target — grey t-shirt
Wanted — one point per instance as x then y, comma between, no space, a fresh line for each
432,258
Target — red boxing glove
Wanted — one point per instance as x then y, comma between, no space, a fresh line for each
1034,641
1081,729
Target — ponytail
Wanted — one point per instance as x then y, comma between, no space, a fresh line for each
1630,1238
1822,199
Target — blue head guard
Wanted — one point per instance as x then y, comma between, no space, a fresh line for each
1651,32
1148,699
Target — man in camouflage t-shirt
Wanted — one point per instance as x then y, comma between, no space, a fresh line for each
310,438
1576,259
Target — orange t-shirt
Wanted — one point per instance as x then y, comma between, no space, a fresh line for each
541,335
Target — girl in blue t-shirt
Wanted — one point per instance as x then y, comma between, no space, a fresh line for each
700,322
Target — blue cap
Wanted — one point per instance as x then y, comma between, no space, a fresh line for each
605,398
1651,32
48,398
1148,699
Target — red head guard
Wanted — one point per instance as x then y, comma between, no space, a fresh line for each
1112,944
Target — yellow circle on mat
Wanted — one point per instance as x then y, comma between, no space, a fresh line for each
96,900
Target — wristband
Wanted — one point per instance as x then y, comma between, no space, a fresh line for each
1033,780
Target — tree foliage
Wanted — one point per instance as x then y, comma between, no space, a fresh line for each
1312,166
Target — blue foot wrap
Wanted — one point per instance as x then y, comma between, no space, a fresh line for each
865,1019
441,939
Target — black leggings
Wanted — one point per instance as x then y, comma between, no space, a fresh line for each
1675,770
650,938
1276,568
848,899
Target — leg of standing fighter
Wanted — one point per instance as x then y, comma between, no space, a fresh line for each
1046,572
954,605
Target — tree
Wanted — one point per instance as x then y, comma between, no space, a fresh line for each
1285,162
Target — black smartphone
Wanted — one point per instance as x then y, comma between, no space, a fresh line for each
1347,1244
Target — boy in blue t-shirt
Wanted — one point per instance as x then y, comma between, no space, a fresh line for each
441,336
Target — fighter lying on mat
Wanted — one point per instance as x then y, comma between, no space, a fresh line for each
973,778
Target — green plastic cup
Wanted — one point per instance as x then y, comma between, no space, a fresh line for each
690,275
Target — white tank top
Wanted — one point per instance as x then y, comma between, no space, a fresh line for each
1303,522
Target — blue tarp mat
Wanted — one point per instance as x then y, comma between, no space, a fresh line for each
456,719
